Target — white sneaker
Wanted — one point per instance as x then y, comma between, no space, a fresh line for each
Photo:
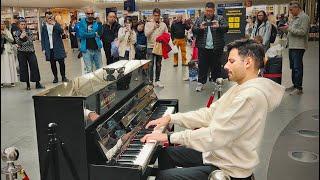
199,87
159,84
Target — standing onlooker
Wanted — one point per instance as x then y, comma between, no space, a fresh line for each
109,34
281,22
14,26
178,31
153,29
262,27
209,30
72,33
127,38
272,19
123,18
141,44
90,43
27,56
249,27
52,46
298,30
8,61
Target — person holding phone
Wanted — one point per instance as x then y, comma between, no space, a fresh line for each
26,55
153,29
52,46
209,30
127,38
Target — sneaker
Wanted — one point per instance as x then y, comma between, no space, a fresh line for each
199,87
290,88
159,84
55,80
296,92
2,85
186,79
13,85
64,79
39,86
28,88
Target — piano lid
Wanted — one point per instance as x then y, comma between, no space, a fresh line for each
87,84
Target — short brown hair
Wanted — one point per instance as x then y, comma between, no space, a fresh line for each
295,4
156,10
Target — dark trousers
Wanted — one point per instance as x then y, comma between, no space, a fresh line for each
155,61
28,59
296,66
107,51
54,65
191,162
209,59
141,54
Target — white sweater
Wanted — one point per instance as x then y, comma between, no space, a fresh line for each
230,130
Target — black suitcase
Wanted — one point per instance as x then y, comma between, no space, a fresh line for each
273,69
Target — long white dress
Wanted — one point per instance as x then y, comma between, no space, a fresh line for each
8,61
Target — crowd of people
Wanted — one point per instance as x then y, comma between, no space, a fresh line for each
123,38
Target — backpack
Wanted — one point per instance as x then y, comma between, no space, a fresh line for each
274,33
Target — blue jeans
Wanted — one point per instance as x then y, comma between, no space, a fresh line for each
90,58
296,66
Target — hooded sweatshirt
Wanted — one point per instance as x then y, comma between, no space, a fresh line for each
231,129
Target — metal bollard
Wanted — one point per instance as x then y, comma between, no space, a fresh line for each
9,155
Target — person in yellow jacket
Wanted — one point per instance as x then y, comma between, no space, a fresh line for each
226,135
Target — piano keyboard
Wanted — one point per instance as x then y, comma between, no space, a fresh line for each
138,153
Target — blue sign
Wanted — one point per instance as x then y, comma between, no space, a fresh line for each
180,11
229,5
191,11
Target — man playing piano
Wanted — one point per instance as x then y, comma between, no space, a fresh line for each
226,135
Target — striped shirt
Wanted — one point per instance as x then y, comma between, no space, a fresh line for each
25,44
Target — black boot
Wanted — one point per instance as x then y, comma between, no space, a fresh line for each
55,80
39,85
64,79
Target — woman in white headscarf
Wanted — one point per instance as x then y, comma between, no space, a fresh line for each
8,61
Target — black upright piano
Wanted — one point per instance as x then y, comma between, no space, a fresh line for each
106,148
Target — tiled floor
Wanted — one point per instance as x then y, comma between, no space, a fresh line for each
18,124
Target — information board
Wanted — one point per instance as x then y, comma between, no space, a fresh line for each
236,18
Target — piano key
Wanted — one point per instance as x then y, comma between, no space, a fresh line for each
128,155
132,153
129,148
127,158
135,146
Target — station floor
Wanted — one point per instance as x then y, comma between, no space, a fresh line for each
282,133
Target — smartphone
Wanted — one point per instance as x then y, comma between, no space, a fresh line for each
208,23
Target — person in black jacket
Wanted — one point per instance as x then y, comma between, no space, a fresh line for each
141,44
178,29
52,46
109,34
72,33
209,30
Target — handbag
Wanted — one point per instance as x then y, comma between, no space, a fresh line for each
157,49
115,48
